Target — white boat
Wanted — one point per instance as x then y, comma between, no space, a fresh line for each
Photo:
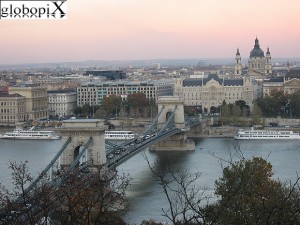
266,135
30,134
119,135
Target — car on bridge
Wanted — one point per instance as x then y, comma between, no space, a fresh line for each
110,156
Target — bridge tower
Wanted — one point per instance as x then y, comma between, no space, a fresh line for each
80,131
169,104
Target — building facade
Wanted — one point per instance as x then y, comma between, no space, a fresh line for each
286,85
62,103
36,100
12,108
93,93
211,91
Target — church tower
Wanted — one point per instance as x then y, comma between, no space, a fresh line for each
268,64
256,62
238,64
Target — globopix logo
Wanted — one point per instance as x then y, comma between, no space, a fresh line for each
37,9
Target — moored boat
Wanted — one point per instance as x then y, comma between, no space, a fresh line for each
253,134
30,134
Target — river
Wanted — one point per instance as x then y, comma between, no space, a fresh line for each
144,193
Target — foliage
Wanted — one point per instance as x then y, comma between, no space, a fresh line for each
82,198
185,200
257,115
110,105
247,194
86,110
280,104
231,113
293,108
137,100
136,105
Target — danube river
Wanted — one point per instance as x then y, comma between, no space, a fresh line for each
144,193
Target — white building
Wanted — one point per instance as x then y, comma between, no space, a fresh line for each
93,93
62,102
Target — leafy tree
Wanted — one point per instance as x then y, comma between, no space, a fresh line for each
243,106
273,105
249,195
256,115
82,198
294,104
236,113
137,104
86,110
78,110
137,100
111,104
225,110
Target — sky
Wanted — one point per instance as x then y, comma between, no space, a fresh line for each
154,29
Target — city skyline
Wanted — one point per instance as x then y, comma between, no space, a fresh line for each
141,30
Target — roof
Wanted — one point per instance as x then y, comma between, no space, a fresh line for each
274,79
256,51
5,94
199,81
61,91
293,73
130,83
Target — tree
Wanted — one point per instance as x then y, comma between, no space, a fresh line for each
86,110
78,198
78,110
236,113
137,104
137,100
256,114
110,105
249,195
294,104
186,201
243,106
225,112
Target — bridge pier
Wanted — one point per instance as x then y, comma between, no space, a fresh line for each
177,142
80,131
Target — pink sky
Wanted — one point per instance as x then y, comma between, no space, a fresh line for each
153,29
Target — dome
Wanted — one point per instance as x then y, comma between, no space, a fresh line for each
256,51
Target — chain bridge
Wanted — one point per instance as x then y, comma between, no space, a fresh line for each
85,146
85,149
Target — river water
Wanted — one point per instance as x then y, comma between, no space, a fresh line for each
144,193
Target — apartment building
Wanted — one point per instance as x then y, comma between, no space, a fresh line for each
93,93
62,102
36,100
12,108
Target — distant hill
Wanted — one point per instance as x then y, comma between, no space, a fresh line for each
135,63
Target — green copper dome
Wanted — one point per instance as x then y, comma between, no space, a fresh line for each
256,51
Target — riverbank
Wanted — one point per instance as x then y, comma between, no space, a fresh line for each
215,132
229,131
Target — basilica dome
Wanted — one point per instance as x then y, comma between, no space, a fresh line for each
256,51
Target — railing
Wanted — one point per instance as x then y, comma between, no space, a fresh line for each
125,155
